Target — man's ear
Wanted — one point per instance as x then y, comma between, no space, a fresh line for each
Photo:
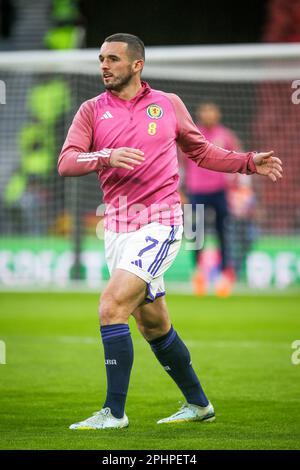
138,65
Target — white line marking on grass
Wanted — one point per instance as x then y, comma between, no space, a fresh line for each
70,339
239,344
188,342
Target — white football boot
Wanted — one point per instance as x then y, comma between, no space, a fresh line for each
102,419
190,412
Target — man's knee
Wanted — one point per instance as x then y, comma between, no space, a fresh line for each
111,310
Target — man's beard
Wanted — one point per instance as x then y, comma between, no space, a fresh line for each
119,82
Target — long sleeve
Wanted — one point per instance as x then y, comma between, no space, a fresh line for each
204,153
75,158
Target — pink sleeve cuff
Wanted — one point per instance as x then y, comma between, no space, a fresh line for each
251,167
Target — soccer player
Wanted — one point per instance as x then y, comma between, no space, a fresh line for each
128,136
209,188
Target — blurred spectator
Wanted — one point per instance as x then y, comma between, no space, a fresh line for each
36,24
209,188
32,195
67,30
276,125
283,21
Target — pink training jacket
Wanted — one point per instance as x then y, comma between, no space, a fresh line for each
154,122
202,181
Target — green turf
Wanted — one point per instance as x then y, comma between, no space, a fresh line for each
241,348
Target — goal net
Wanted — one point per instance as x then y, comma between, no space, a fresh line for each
48,224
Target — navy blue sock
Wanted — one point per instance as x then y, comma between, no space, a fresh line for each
176,360
118,352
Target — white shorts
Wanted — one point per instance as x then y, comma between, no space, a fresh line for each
147,253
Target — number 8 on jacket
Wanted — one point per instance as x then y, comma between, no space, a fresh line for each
152,128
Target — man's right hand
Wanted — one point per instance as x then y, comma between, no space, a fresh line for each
126,157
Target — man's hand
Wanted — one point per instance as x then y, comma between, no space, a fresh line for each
267,165
126,157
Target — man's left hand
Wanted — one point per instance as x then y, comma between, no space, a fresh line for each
267,165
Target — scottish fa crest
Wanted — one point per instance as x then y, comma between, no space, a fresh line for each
154,111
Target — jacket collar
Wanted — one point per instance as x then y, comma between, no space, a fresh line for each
144,90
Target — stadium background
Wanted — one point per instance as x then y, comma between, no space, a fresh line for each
47,224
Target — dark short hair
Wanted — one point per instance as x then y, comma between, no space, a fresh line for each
135,45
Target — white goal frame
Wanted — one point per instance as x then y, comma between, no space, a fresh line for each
233,63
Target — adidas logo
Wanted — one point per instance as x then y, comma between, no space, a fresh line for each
167,368
137,263
106,115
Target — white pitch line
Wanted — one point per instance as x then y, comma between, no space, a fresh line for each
190,343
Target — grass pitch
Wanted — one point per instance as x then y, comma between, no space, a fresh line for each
241,349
